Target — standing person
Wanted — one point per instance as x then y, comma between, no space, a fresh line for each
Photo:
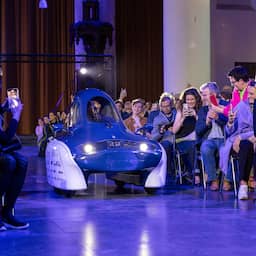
39,130
47,133
239,78
13,168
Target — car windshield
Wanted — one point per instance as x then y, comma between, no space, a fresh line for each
99,109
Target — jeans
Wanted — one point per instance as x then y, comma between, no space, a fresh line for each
187,150
168,146
13,168
209,151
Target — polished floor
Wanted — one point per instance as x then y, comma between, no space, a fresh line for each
103,221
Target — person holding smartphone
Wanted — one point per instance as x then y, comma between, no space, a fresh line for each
210,133
13,168
239,78
240,140
184,130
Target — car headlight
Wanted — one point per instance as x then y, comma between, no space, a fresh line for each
143,147
89,149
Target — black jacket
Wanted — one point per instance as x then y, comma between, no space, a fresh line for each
7,135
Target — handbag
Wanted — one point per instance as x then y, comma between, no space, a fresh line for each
12,145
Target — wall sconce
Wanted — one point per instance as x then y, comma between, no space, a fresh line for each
43,4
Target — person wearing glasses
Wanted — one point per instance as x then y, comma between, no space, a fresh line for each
239,78
162,129
240,140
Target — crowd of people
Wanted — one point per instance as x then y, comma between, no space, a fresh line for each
215,123
218,124
46,127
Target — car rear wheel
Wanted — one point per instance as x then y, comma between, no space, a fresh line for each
66,193
119,183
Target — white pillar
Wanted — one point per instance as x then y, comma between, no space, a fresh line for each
186,43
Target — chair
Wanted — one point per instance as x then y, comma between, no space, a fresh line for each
177,163
234,170
200,158
179,167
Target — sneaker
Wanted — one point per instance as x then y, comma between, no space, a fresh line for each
243,192
214,185
12,223
226,185
2,227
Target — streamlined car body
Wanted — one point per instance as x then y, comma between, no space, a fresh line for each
97,140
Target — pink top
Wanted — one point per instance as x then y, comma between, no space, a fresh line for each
235,100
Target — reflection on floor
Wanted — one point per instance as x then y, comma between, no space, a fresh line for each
104,221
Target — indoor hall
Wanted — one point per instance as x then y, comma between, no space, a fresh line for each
179,220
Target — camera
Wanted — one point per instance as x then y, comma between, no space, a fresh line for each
164,127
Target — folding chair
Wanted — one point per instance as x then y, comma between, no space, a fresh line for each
200,158
234,170
178,162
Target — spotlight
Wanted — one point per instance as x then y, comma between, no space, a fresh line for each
43,4
83,70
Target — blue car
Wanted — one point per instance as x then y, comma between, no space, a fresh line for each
97,141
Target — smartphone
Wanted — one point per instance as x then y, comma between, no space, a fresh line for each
13,97
213,100
13,93
231,108
185,106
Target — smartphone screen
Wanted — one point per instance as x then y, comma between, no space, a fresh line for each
13,97
13,93
213,100
185,106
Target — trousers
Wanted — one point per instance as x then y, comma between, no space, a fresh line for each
13,168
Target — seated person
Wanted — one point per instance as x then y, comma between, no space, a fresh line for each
184,130
101,110
239,78
154,111
240,141
210,134
13,168
136,120
162,128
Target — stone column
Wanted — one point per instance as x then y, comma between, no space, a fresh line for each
186,43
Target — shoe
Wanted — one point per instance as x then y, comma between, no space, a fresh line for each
197,180
214,185
243,192
2,227
226,185
12,223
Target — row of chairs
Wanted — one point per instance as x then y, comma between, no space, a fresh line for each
198,157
